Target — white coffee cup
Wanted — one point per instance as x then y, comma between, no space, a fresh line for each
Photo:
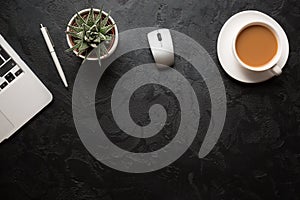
272,64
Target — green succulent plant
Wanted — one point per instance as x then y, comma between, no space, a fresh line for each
89,32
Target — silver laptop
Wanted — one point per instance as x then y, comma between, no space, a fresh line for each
22,94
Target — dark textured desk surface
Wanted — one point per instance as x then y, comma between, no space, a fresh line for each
256,158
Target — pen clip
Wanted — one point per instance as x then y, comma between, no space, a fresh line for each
49,37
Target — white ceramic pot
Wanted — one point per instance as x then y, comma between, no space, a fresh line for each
115,30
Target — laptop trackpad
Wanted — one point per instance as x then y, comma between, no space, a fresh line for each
6,127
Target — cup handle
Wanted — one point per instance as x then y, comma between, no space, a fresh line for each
276,70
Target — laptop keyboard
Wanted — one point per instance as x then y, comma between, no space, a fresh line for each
9,70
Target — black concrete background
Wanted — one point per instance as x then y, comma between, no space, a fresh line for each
256,158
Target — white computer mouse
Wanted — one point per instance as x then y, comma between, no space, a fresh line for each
161,46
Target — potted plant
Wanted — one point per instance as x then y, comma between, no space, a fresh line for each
89,28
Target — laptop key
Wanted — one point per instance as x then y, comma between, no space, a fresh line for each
9,77
6,67
1,61
4,54
18,72
3,85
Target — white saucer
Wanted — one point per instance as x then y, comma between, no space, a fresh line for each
225,52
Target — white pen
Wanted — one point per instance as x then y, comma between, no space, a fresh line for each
50,45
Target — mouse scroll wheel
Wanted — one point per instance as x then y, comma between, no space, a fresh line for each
159,36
